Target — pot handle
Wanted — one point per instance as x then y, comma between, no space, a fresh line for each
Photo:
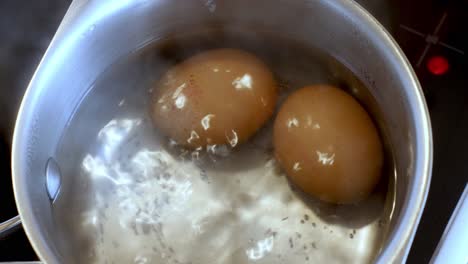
9,226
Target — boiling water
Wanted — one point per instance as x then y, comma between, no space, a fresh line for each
132,196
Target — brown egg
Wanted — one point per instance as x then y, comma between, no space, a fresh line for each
217,97
328,145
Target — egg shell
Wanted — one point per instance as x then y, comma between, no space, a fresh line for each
217,97
328,145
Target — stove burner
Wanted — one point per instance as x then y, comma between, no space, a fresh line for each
432,39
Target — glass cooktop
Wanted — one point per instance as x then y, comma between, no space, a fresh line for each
433,35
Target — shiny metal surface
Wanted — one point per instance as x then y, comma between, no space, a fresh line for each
53,179
84,48
9,226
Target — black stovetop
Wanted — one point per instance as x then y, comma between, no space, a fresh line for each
432,33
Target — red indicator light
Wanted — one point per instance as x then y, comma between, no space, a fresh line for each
437,65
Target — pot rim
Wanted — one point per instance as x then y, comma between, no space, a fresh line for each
401,236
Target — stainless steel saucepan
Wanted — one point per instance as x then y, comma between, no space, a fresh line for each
84,166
